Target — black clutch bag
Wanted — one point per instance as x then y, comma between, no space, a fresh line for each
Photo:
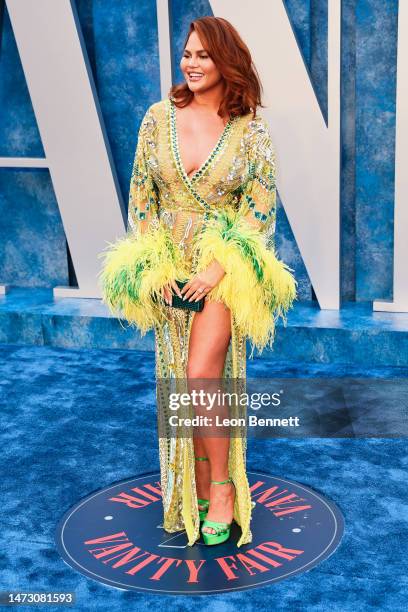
178,302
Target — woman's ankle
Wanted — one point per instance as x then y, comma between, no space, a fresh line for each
221,509
220,474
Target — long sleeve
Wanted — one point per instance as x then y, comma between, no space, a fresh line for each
257,287
137,266
258,200
143,193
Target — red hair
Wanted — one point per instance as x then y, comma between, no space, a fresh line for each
233,59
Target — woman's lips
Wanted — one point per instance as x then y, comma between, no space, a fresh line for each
193,77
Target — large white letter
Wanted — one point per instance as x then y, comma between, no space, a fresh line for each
308,151
77,152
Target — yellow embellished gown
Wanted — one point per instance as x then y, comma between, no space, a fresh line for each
176,226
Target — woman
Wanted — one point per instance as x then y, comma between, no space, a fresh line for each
202,209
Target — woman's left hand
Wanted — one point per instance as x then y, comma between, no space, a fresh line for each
205,280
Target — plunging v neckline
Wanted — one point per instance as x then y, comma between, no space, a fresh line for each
190,180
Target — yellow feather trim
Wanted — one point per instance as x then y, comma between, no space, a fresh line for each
257,287
135,269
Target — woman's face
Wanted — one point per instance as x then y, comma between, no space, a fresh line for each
196,60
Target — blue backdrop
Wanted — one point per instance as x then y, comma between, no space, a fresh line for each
122,46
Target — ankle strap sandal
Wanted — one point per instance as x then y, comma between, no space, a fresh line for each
222,530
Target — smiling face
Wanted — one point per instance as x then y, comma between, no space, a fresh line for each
196,60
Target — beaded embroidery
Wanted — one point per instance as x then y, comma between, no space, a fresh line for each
239,173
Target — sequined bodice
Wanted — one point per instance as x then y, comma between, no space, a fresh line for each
183,203
233,195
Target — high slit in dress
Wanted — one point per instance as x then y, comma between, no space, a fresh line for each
176,226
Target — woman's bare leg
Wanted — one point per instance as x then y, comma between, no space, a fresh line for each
209,340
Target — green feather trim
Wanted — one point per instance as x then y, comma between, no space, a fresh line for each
257,287
135,269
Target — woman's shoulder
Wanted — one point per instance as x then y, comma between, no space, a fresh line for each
255,123
257,137
256,128
157,108
153,117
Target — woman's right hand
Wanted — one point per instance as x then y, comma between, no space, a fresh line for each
167,293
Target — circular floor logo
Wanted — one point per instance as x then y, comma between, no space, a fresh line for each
115,536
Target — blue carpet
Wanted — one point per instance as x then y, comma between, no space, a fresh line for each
73,421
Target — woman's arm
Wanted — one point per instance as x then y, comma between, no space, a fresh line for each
143,194
258,199
138,266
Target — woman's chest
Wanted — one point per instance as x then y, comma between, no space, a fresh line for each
199,165
197,139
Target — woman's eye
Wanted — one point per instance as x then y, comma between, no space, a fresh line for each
201,56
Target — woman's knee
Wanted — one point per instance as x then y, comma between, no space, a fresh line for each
207,361
204,368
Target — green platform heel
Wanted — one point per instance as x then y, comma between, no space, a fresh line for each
203,502
223,530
